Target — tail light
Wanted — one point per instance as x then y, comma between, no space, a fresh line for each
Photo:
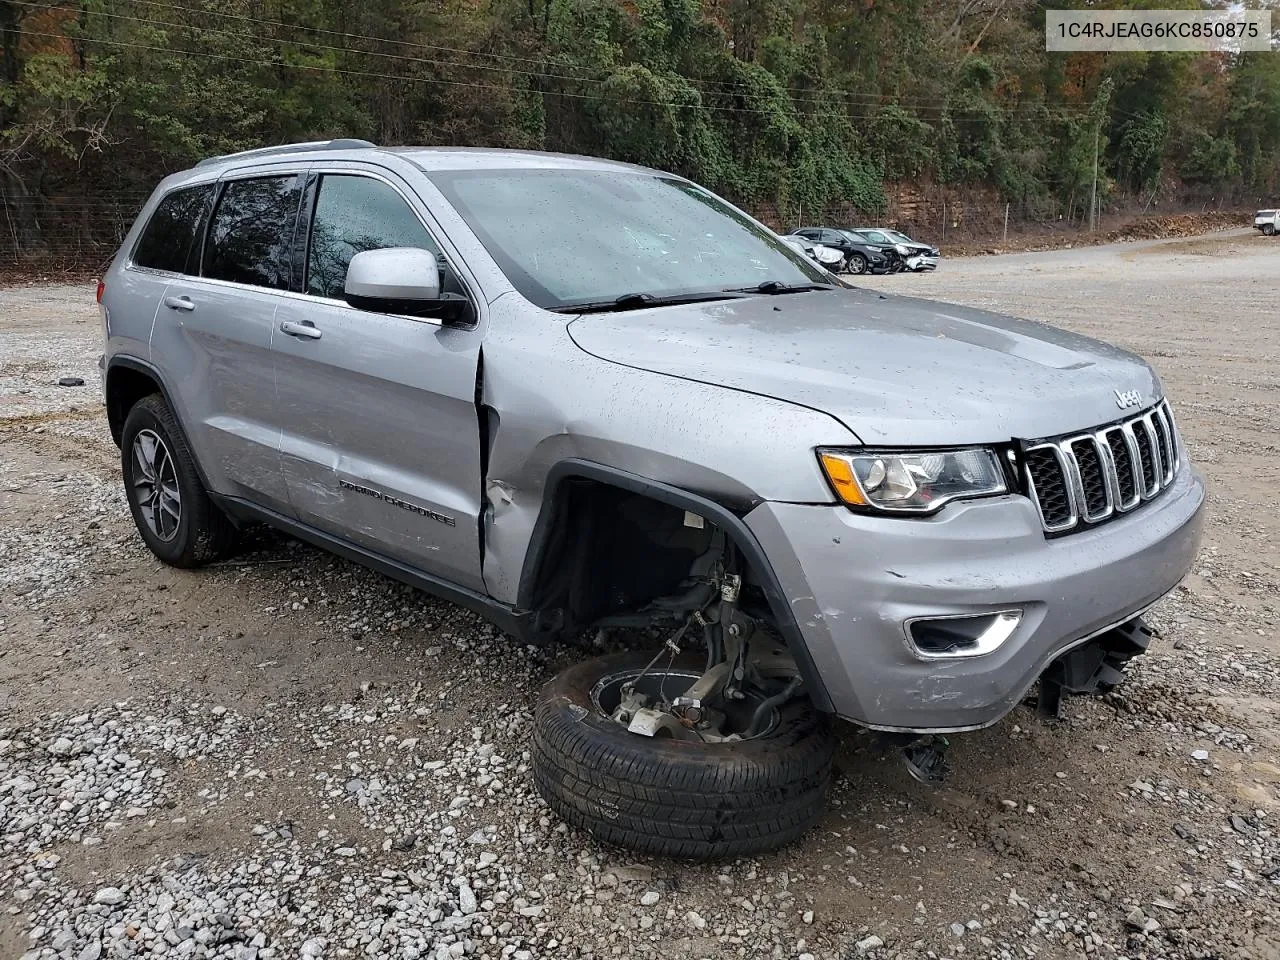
102,287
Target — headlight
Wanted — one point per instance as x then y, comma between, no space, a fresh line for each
901,248
906,482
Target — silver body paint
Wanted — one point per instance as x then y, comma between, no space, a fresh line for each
373,432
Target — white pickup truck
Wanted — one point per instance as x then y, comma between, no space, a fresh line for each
1268,221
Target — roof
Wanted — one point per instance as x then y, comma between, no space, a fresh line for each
487,158
428,159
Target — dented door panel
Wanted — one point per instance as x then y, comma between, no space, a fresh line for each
380,440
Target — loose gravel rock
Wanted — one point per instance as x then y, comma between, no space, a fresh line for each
288,756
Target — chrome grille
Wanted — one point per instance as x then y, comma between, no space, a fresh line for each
1086,478
1124,458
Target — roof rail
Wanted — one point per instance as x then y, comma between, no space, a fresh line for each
340,144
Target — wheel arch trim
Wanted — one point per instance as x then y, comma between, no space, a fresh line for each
126,362
731,523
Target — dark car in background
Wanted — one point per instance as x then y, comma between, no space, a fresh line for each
918,256
859,255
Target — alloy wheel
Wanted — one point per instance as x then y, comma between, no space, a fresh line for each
155,485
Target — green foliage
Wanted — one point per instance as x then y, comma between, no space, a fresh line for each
903,143
654,119
1141,149
1253,119
59,109
1211,160
785,103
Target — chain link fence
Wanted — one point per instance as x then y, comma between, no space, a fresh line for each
65,233
82,233
946,217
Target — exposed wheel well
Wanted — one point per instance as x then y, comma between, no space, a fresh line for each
608,543
125,387
608,551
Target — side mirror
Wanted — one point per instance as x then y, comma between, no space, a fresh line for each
404,280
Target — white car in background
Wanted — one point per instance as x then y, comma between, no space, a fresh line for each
823,256
1268,221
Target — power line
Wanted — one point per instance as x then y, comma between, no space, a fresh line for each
540,75
327,69
318,68
317,46
429,46
871,99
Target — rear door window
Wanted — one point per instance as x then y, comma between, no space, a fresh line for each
251,233
169,240
354,214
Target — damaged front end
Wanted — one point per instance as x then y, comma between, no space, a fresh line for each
678,584
747,674
624,569
1092,668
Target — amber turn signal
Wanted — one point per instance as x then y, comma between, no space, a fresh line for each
840,473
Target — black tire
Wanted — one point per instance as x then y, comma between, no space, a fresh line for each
1269,229
674,797
202,533
857,263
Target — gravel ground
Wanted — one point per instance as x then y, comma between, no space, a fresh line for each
290,756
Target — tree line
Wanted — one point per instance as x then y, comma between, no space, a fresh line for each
797,104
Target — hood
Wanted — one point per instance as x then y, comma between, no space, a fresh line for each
894,370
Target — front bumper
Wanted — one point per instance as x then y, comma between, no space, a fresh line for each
854,581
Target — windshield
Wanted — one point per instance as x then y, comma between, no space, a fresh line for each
900,237
565,237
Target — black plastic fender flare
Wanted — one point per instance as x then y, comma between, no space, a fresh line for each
127,362
139,365
730,522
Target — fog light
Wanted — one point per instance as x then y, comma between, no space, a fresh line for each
954,638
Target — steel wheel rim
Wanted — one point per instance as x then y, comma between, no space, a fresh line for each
155,485
856,265
606,690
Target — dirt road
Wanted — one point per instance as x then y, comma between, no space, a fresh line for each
290,756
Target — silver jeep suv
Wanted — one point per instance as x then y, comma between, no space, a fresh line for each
594,401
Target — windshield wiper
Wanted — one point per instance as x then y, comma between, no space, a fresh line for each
773,287
641,301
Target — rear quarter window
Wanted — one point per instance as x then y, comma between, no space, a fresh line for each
169,240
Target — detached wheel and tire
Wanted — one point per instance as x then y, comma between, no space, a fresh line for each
676,797
170,507
857,263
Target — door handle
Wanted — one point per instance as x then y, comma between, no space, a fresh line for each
179,303
306,329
